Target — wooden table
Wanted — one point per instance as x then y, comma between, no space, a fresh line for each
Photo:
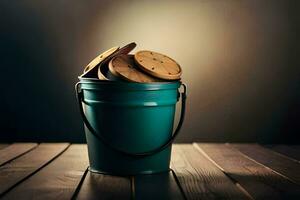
199,171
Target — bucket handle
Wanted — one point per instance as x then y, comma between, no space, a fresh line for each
79,95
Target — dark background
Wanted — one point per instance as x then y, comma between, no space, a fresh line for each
240,60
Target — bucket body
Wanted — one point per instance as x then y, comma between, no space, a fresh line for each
133,117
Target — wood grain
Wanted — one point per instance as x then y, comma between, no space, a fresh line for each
57,180
123,66
258,181
19,169
2,146
202,171
292,151
282,165
12,151
158,65
99,186
200,178
157,186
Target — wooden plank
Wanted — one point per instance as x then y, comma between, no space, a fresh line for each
259,181
13,151
292,151
200,178
57,180
99,186
282,165
156,186
2,146
21,168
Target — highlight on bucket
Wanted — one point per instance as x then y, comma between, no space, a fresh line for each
127,103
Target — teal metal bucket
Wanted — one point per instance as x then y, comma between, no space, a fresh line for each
129,126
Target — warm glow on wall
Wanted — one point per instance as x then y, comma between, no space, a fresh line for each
239,60
226,50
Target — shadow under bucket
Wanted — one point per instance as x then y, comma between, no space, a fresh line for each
129,126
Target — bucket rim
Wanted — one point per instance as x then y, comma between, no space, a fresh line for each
88,83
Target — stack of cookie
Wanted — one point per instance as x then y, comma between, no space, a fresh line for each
116,64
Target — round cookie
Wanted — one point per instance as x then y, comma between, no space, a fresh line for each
89,70
158,65
103,67
123,66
